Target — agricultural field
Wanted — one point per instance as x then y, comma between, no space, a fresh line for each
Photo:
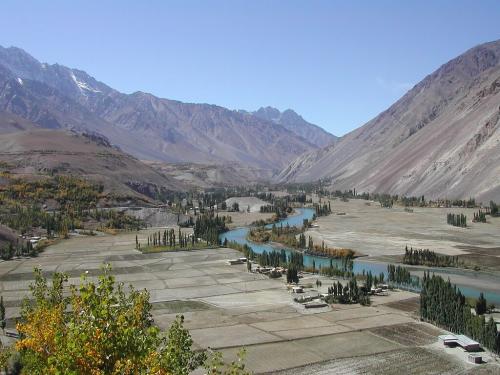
410,305
226,307
395,362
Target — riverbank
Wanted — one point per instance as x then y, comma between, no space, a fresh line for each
244,219
362,235
375,231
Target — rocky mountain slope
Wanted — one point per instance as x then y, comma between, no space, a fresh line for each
441,139
28,151
212,175
296,124
143,125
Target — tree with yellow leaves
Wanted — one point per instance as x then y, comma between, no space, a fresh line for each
98,328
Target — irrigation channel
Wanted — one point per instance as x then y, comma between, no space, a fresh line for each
468,283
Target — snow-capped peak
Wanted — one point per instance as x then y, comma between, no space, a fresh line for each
82,85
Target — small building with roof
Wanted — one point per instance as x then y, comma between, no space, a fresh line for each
460,340
474,358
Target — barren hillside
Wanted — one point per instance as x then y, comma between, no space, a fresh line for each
295,123
143,125
441,139
35,152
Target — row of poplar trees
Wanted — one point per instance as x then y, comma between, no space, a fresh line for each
442,304
426,257
209,227
457,220
168,238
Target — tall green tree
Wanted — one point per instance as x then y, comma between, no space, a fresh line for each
481,305
3,322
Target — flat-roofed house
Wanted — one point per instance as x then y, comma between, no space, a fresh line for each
297,289
475,358
460,340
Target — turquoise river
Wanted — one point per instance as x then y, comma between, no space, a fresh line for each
467,280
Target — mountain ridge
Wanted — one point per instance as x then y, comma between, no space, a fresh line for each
440,138
296,123
140,123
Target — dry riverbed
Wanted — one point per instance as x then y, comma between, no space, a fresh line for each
383,233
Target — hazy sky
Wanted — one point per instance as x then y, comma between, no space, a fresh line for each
336,63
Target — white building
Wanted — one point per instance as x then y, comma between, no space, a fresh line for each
297,289
475,358
461,340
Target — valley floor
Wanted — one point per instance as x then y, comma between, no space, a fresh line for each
226,308
383,233
366,227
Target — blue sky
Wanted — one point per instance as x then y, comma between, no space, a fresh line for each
337,63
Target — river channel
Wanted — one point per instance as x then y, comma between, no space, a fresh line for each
469,282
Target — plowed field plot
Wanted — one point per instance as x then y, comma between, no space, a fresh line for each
397,362
179,307
408,305
411,334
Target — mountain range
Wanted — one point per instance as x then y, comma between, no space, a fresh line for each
148,127
292,121
441,139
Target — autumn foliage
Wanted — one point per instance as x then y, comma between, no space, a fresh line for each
98,328
102,328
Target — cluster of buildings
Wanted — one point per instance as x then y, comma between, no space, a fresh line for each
33,239
379,289
466,343
272,272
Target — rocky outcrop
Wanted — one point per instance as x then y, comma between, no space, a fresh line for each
296,124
